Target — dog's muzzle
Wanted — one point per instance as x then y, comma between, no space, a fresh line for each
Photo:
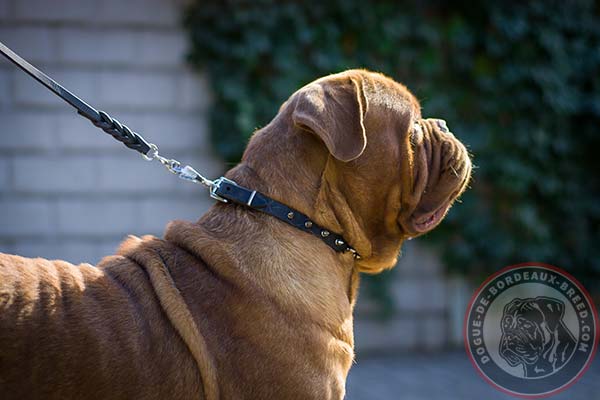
515,348
441,171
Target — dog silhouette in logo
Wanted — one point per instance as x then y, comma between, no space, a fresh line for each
535,335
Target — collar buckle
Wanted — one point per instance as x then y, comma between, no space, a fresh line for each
216,185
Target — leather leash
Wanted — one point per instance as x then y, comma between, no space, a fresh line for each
221,189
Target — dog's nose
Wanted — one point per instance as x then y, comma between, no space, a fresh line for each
442,125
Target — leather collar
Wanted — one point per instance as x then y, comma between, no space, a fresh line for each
226,190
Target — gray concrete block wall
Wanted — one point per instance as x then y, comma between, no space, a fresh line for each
429,307
67,190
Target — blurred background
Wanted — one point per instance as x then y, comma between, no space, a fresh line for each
518,82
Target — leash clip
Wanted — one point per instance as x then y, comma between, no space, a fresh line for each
186,172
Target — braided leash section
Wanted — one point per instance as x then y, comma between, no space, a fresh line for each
122,133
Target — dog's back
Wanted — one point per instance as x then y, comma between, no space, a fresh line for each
80,331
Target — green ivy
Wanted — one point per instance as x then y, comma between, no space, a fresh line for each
519,82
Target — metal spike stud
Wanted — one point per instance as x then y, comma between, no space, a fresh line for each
354,253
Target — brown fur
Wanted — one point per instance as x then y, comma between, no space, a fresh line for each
240,305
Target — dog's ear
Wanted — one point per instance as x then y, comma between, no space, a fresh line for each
552,309
334,109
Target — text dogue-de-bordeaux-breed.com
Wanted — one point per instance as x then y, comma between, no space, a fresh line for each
240,305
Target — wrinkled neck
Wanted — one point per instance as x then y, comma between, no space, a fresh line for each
300,173
290,170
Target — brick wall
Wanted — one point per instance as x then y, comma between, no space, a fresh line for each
67,190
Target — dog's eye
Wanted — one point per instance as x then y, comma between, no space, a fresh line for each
524,323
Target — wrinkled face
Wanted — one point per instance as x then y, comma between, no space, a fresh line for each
523,338
440,172
416,166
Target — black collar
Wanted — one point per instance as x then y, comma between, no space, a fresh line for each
226,190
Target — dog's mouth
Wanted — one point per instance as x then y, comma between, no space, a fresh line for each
423,223
431,213
428,214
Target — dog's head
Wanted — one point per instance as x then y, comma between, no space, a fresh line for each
354,144
532,331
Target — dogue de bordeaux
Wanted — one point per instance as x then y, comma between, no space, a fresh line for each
535,336
240,305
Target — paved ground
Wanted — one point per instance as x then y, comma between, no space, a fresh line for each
443,376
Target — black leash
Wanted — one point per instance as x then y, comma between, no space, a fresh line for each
99,118
221,189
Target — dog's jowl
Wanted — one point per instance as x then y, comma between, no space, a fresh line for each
240,305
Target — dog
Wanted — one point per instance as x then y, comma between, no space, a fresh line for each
239,305
535,336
